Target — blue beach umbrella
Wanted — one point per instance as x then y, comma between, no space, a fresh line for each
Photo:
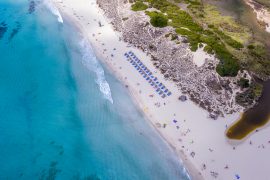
237,176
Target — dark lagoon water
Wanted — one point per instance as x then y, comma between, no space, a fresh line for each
61,115
260,114
254,118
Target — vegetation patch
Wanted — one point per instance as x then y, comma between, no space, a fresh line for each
231,42
243,83
258,60
185,25
247,97
158,19
226,24
139,6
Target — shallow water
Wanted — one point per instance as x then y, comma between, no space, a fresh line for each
61,115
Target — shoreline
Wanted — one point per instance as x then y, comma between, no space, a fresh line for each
179,139
192,172
188,166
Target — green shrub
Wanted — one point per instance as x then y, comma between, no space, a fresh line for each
250,46
210,26
139,6
243,83
228,67
233,43
174,37
208,49
257,89
258,51
158,19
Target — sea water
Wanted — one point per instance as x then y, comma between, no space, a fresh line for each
62,115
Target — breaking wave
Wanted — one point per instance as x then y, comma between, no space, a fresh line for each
49,4
91,62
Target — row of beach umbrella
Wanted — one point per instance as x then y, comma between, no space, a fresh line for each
147,74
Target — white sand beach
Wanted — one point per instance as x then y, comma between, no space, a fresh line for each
198,140
200,56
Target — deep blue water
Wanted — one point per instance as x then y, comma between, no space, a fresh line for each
57,119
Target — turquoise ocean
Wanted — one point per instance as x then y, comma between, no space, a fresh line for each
62,114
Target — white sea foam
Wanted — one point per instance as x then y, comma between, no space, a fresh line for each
91,62
49,4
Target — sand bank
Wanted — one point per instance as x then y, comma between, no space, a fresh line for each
199,56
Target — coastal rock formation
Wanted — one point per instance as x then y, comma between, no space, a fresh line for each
174,59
